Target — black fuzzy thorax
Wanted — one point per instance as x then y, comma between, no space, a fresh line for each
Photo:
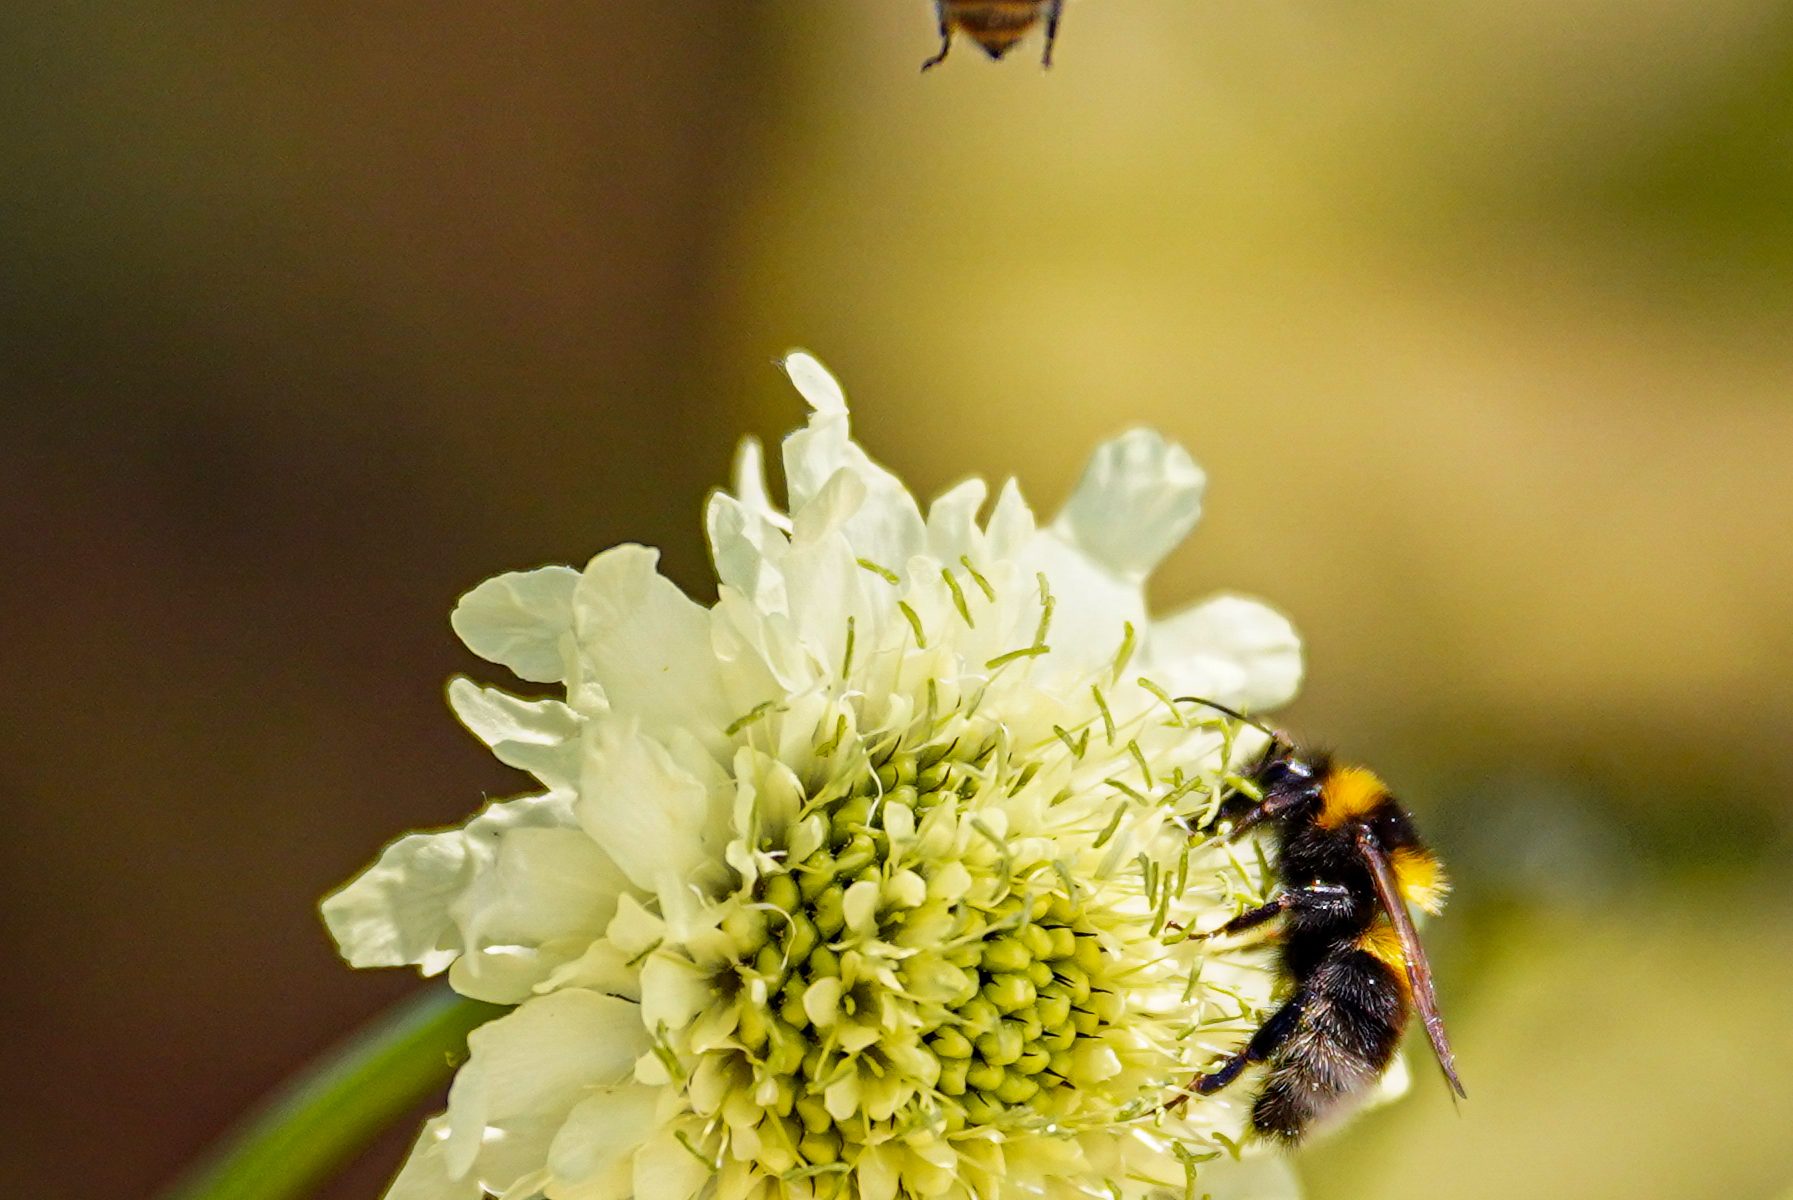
1351,1006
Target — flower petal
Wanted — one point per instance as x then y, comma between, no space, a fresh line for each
1139,497
745,547
549,894
952,520
536,1061
673,992
395,913
398,911
665,1169
538,736
1256,1177
750,482
1011,524
426,1175
887,528
652,817
1229,649
518,620
593,1156
1092,606
647,644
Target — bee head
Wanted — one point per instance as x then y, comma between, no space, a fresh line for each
1289,779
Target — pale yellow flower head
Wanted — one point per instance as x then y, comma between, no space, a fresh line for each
867,881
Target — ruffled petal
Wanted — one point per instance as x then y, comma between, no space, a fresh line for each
746,547
1256,1177
952,521
827,585
648,645
749,477
538,736
398,911
1011,524
1092,606
653,817
536,1062
665,1169
549,894
395,913
593,1157
520,620
1230,649
1139,497
426,1175
887,528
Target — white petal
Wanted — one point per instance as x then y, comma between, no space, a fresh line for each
550,883
536,1061
1228,649
888,528
518,621
512,1156
426,1175
647,644
1256,1177
634,929
952,520
502,974
396,912
666,1170
673,992
539,736
603,967
549,894
1139,497
750,482
745,547
1011,524
593,1155
1092,606
638,804
759,649
814,383
827,587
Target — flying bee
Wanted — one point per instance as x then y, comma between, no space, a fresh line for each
996,25
1348,862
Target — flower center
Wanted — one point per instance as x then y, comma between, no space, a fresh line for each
906,965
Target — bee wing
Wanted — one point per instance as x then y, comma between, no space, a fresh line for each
1419,971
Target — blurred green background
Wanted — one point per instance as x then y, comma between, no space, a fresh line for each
314,314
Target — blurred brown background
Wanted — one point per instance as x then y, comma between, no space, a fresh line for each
314,314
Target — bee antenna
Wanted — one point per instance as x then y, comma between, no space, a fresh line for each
1233,713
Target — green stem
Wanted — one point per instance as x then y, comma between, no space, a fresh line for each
310,1128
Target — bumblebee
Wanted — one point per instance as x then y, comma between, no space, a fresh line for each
996,25
1349,862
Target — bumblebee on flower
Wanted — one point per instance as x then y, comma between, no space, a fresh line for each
865,881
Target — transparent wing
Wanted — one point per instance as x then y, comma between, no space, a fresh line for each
1419,971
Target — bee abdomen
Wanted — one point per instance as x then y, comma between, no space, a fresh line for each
1348,1033
996,25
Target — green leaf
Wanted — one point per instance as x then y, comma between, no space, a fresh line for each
317,1122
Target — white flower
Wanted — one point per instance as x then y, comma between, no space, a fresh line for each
868,881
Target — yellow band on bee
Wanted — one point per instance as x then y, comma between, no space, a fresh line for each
1348,793
1421,878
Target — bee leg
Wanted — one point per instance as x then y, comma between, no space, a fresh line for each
1329,898
1265,1042
1265,810
1053,14
946,38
